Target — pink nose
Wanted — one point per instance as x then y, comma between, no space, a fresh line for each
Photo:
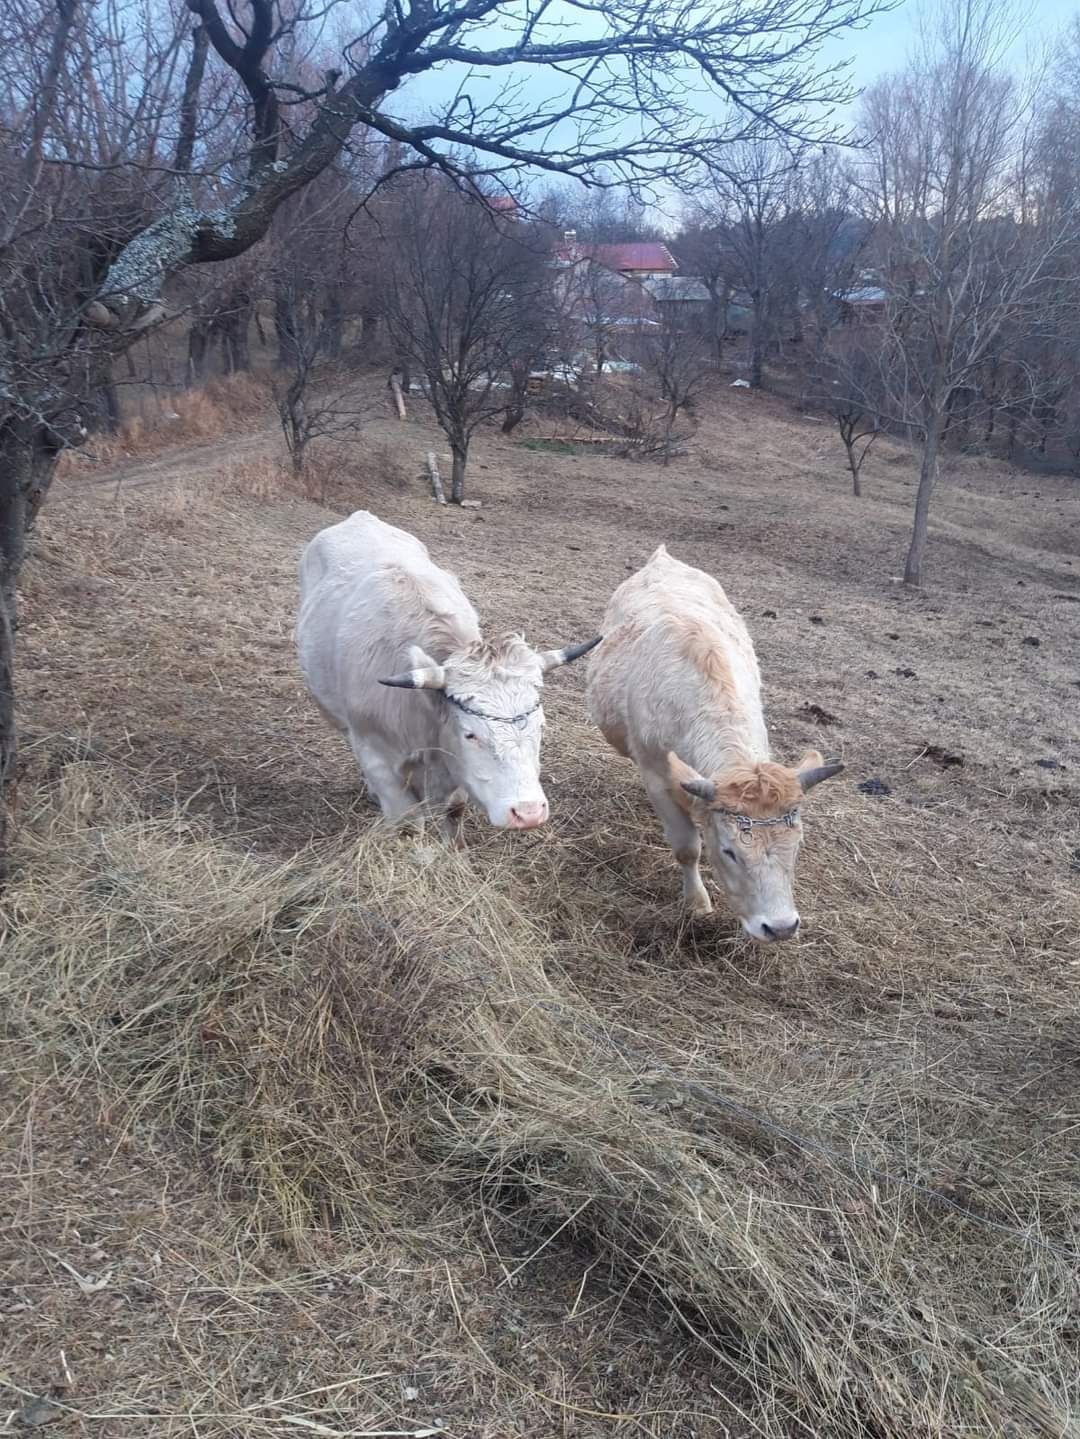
528,816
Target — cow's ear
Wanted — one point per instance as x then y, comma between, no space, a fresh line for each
424,675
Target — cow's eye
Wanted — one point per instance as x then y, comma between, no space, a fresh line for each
469,735
729,854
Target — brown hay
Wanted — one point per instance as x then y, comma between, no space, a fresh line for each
210,412
366,1018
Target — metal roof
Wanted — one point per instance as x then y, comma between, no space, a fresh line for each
866,295
675,287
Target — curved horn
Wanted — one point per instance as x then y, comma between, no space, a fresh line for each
687,778
432,678
426,673
700,789
551,659
808,778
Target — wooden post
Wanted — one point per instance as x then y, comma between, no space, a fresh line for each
399,398
436,482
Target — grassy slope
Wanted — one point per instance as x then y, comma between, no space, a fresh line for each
925,1020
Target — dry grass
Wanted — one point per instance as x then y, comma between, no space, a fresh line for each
336,1029
834,1186
218,409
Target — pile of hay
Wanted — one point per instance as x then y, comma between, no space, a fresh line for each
330,1030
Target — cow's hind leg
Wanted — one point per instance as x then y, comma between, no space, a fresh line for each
384,779
681,833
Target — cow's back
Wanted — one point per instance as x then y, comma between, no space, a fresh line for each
369,591
677,669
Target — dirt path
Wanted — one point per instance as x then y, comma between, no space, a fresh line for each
181,464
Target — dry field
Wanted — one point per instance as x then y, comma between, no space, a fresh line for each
313,1131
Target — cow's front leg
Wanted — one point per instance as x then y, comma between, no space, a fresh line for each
443,800
452,822
384,779
681,833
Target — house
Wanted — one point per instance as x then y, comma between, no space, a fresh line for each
505,206
636,260
683,291
614,296
863,305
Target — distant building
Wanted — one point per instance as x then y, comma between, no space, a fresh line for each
681,290
637,260
863,305
503,205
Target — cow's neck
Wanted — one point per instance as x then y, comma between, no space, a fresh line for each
736,741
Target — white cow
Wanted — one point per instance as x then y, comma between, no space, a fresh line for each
379,619
675,686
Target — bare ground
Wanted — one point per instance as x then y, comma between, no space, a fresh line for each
926,1018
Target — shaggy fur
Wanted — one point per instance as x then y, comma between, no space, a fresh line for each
374,606
676,687
761,791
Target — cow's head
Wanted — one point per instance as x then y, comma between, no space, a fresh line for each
491,721
750,821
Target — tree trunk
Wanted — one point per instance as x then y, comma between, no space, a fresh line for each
285,329
853,465
25,471
333,324
109,403
460,453
927,480
519,393
718,307
198,346
515,413
234,335
757,345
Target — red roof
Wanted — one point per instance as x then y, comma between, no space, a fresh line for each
641,255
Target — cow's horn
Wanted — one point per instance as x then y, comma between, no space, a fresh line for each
808,778
700,789
425,679
551,659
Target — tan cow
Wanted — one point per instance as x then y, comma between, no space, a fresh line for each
675,686
379,620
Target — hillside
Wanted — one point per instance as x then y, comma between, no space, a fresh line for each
923,1025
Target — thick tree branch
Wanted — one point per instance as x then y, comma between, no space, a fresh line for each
189,101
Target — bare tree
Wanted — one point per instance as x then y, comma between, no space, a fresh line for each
826,240
312,402
119,172
752,195
702,251
461,280
676,356
960,263
599,308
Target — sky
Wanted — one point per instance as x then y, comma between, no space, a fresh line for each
879,48
883,45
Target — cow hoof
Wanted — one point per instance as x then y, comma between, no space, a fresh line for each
700,906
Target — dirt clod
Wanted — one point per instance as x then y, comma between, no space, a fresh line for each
944,758
818,715
875,786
